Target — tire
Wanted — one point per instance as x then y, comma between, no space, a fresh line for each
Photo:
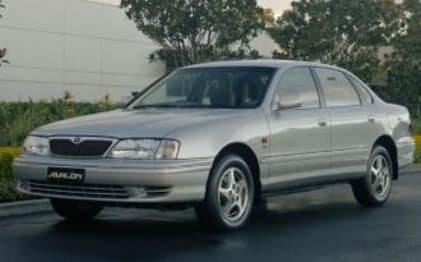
75,211
374,189
228,203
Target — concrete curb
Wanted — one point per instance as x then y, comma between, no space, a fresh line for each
27,207
412,169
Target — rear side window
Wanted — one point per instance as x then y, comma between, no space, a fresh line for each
337,89
300,81
365,95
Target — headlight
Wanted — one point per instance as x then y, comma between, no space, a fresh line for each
36,145
145,149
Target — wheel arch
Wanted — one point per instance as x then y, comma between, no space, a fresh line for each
245,152
387,142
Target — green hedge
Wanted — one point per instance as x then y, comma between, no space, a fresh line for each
418,148
7,181
17,119
417,125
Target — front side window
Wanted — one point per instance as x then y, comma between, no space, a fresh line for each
229,87
337,89
299,81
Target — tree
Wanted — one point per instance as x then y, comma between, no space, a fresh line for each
404,71
3,51
192,31
268,16
342,32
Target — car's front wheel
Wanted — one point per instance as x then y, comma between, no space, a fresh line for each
229,195
374,189
75,211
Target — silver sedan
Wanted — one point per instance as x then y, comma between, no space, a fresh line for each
220,137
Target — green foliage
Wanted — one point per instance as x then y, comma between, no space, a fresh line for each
342,32
404,66
196,30
418,148
17,119
7,181
417,126
408,43
403,83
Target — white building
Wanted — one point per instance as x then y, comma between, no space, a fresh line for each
88,48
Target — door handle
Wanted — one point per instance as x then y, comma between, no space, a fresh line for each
371,119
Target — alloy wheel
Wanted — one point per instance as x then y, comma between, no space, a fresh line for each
233,194
380,178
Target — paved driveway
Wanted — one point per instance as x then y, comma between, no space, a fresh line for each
324,225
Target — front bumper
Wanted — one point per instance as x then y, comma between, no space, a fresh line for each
117,181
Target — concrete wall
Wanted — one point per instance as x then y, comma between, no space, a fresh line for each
87,48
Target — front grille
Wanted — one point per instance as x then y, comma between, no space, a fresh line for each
88,190
66,147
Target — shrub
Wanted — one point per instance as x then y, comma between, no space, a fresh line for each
417,126
7,181
418,149
17,119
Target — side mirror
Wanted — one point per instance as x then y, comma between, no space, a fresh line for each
288,101
135,93
126,99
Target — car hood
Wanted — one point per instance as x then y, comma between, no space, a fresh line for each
150,123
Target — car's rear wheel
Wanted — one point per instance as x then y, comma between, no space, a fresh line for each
75,211
229,196
374,189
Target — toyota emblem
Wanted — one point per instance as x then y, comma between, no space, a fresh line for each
76,140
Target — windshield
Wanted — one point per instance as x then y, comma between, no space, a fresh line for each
229,87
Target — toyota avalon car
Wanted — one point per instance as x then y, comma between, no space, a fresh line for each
220,137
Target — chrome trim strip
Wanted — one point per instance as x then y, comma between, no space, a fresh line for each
197,164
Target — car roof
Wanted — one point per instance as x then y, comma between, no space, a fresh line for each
273,63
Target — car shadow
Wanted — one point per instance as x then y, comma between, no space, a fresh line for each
129,236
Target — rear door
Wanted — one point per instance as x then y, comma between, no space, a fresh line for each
352,127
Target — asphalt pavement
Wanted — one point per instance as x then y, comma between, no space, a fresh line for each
323,225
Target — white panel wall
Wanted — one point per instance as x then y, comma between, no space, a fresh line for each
86,48
264,44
